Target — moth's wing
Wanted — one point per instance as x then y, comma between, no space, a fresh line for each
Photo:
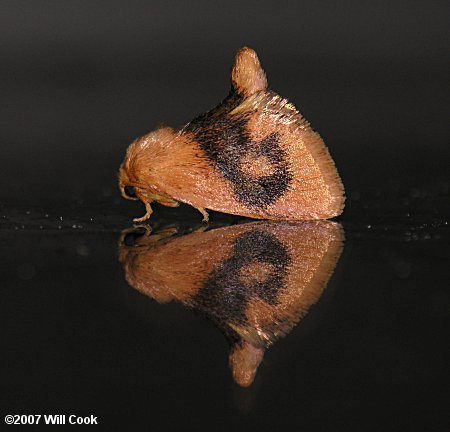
315,190
279,169
305,183
253,155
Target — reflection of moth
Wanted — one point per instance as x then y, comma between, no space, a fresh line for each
254,281
253,155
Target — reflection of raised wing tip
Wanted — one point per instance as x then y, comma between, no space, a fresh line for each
255,281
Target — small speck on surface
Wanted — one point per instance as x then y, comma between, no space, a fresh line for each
83,250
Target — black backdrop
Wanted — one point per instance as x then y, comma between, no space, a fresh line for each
80,80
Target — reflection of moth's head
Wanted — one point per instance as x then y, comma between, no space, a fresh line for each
136,247
254,281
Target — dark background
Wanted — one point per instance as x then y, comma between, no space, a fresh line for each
80,80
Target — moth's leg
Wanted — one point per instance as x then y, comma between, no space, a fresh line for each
149,211
201,229
204,214
165,233
158,235
167,202
148,229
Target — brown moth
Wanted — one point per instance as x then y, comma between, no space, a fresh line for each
253,155
255,287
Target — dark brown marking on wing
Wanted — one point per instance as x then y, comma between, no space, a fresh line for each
226,142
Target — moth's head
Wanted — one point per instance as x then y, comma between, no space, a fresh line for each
143,155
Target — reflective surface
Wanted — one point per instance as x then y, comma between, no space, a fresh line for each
77,337
255,281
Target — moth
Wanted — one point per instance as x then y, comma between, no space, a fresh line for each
255,287
252,155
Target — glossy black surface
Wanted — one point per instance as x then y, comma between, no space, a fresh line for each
79,83
78,339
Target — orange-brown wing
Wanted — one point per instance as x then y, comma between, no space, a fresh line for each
253,155
274,166
313,187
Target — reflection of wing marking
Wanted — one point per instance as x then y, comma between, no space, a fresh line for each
256,286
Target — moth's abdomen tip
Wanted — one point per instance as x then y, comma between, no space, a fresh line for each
247,75
247,52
